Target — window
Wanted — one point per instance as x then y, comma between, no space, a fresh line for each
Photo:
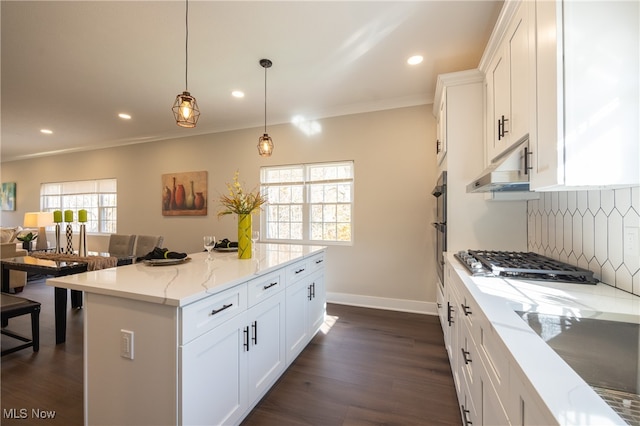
97,197
308,203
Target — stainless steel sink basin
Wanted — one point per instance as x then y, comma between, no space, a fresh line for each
604,353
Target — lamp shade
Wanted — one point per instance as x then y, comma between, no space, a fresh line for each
185,110
38,219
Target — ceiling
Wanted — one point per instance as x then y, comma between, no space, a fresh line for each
72,66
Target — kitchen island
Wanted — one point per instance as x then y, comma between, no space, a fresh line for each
505,372
198,342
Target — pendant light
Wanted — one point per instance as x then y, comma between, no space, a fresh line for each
265,144
185,108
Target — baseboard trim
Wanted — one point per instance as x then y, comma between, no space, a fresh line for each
402,305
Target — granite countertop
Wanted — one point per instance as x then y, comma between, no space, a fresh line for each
185,283
567,396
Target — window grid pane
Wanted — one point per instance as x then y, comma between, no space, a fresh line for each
310,203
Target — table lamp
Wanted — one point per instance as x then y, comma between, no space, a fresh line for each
39,220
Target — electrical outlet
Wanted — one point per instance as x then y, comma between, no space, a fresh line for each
126,344
631,241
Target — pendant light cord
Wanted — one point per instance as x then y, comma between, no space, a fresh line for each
186,48
265,100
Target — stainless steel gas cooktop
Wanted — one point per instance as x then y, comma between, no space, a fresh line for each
522,265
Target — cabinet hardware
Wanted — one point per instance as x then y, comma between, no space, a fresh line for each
313,290
501,127
465,417
450,313
466,309
438,149
319,261
215,311
309,292
527,162
246,338
465,356
254,327
299,270
439,305
268,286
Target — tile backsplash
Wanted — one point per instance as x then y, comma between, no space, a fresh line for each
587,228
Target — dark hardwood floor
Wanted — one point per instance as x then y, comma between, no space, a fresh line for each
368,367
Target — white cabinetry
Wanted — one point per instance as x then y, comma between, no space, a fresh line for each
305,295
245,353
587,64
208,361
441,128
508,82
490,391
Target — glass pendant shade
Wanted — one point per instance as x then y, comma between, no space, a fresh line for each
185,110
265,146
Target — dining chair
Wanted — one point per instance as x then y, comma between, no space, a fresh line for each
121,245
146,244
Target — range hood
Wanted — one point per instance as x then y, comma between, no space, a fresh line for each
507,173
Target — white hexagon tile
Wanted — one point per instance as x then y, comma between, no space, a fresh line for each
588,228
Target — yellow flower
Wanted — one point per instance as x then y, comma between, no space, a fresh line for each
238,201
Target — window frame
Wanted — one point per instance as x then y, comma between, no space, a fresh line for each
102,195
307,182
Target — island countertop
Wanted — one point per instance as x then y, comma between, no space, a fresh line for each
185,283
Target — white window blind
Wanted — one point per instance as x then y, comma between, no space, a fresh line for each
97,197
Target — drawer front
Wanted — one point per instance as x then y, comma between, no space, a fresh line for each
297,271
316,262
206,314
262,288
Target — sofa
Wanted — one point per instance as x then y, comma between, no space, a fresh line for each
11,247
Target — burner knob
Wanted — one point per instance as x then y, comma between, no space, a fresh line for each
476,265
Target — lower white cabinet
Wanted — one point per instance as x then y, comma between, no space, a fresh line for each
490,391
233,365
306,307
213,389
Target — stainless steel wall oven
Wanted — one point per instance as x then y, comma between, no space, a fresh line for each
440,192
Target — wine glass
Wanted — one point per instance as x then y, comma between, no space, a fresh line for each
209,244
255,236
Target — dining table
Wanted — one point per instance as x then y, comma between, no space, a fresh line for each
56,266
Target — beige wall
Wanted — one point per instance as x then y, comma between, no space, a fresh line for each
392,254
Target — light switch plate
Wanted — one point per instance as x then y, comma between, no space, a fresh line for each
631,241
126,344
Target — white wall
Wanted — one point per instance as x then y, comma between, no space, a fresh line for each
392,255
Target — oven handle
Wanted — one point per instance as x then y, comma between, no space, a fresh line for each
440,226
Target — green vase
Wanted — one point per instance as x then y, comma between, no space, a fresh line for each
244,236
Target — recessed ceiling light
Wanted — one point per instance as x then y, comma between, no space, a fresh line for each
46,131
415,60
237,94
124,116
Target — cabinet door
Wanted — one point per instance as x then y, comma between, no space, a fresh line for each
297,305
520,74
266,354
214,375
441,129
501,96
317,306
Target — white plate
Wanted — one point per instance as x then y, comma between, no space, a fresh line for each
164,262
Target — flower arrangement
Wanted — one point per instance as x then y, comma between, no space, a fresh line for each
239,201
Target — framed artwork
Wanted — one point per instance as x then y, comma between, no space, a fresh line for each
8,196
184,194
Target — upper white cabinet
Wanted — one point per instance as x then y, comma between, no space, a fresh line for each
441,128
509,85
587,65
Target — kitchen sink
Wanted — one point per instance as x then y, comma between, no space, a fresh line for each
604,353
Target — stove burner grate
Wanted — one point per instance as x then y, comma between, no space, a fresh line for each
530,266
